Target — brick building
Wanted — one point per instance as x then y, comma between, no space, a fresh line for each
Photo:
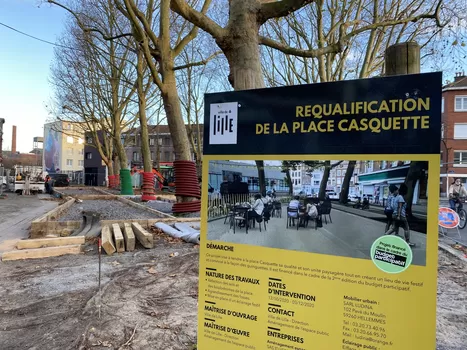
160,144
454,133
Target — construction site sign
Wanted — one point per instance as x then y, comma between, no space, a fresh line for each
317,229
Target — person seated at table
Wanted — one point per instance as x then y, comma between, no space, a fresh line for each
268,198
293,204
256,209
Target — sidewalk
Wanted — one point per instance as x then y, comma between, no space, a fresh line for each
377,213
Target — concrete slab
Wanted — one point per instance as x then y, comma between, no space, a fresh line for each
16,215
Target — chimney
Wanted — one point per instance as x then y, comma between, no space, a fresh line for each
459,76
13,140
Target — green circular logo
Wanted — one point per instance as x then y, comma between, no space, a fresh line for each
391,254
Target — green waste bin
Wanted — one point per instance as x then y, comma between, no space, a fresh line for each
126,187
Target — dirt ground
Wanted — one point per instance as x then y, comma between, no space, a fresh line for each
149,301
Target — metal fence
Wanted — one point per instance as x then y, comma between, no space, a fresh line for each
219,206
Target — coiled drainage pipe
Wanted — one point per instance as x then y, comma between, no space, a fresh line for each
186,185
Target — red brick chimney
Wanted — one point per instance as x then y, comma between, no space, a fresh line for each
13,140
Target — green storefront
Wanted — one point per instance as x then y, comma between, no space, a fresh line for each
377,183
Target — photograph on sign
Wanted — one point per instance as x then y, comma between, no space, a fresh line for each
303,209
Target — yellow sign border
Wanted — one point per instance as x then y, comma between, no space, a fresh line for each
432,219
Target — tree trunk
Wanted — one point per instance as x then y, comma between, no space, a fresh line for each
415,174
143,121
110,169
118,146
324,180
344,195
116,165
173,112
241,48
261,177
289,181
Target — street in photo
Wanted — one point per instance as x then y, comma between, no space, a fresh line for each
331,207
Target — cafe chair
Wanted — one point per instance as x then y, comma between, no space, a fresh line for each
292,214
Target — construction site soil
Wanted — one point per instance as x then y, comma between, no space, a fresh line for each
148,301
108,209
70,191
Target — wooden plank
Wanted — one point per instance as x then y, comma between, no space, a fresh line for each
118,236
49,242
42,252
107,241
129,236
144,237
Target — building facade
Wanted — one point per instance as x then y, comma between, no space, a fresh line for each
454,133
160,144
95,170
63,147
220,171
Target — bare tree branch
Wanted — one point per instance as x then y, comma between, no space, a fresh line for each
279,9
89,29
199,63
193,32
198,19
299,52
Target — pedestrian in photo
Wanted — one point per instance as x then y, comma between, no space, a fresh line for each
389,208
456,191
400,218
47,184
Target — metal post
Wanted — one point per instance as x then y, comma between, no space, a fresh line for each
2,170
100,249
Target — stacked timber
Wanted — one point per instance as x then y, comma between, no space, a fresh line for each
45,248
116,240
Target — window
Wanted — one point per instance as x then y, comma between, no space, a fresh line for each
442,105
80,141
460,158
152,156
441,158
338,173
460,131
69,139
384,164
316,183
89,140
394,164
369,166
88,155
81,151
460,104
166,141
80,162
159,141
167,156
442,130
69,127
136,157
151,142
339,181
69,162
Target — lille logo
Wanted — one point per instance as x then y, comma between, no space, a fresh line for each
223,123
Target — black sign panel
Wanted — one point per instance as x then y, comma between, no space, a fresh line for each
391,115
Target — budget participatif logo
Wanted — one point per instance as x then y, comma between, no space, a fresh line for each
223,123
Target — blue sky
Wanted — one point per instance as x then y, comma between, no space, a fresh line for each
25,66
